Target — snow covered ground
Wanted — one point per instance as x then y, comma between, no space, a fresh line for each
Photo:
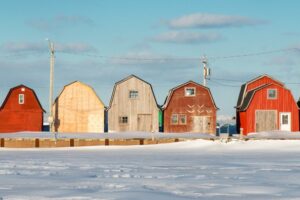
198,169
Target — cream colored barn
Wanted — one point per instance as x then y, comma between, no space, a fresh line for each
78,109
133,107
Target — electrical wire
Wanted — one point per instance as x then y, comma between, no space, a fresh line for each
254,54
186,58
222,84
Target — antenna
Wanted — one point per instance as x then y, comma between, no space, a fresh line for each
50,118
206,70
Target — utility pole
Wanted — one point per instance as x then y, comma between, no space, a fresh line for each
50,117
206,70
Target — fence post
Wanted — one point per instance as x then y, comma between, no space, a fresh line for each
141,141
241,133
2,142
37,143
106,142
72,142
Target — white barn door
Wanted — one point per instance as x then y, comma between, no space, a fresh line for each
285,121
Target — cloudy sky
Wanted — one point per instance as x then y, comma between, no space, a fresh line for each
101,42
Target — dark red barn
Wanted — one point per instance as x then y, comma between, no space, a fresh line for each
21,111
190,107
265,104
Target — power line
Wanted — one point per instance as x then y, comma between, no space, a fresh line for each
186,58
254,54
228,80
222,84
140,58
216,80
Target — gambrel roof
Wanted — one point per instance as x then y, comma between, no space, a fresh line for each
125,79
86,85
20,86
243,93
168,98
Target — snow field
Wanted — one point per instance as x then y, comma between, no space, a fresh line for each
198,169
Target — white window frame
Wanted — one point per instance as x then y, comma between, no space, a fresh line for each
174,123
179,119
276,93
21,99
188,88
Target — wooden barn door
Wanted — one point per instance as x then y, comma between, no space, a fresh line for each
201,124
93,122
144,122
265,120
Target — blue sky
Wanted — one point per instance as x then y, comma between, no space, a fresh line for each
90,37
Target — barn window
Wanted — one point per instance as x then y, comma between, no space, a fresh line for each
21,99
182,119
174,119
123,120
190,91
272,94
133,94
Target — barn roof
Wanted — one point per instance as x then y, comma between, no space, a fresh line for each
168,98
250,94
125,79
19,86
81,84
244,87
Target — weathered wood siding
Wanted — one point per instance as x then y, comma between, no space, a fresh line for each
142,112
15,117
284,103
78,109
200,110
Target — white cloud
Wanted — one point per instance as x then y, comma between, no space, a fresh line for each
60,22
17,47
204,20
187,37
145,58
281,61
75,48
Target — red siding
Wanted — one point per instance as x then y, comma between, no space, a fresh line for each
16,117
284,103
261,81
180,104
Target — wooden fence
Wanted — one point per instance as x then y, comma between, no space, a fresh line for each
49,143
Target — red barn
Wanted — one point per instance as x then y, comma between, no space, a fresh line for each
21,111
190,107
265,104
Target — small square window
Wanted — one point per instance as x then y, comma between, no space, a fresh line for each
182,119
133,94
21,99
272,94
190,92
123,120
174,119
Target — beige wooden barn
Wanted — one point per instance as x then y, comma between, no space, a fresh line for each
78,109
133,106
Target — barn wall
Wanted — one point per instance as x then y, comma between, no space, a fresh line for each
243,122
78,109
21,121
199,105
122,105
15,117
284,103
